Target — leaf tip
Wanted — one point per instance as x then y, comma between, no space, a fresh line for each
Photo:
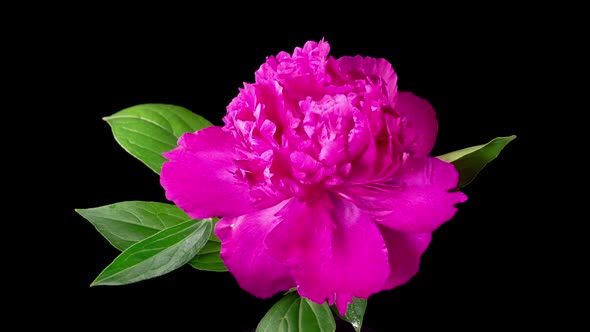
96,282
107,119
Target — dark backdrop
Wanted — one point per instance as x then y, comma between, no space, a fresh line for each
478,269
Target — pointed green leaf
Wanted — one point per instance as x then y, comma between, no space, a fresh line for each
213,237
148,130
470,161
158,254
126,223
355,312
208,258
293,313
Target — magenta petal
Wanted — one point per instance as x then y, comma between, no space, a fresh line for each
422,125
405,250
363,167
351,65
334,249
418,200
199,176
244,252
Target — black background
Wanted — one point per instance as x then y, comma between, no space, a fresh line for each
476,72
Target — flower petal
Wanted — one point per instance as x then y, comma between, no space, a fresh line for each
422,125
417,200
334,249
243,251
199,176
363,167
359,67
405,250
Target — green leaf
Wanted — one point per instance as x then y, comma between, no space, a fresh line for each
126,223
208,258
355,313
470,161
294,313
213,237
158,254
148,130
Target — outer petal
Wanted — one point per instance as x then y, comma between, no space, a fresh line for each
199,176
405,250
422,125
243,251
334,249
417,200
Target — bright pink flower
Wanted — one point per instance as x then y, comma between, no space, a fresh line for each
322,177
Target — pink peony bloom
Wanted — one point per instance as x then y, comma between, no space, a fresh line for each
322,177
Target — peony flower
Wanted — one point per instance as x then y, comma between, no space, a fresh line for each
321,176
